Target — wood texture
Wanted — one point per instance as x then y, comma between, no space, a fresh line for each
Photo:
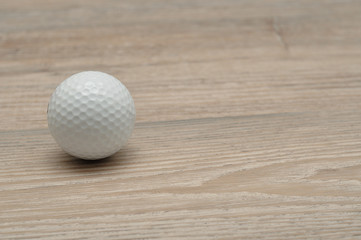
248,120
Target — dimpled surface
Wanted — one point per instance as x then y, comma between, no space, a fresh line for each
91,115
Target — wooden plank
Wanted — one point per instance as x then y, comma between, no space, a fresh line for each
248,120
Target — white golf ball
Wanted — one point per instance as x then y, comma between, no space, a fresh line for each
91,115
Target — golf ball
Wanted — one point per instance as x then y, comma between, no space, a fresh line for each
91,115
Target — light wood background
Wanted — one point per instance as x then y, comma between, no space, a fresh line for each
248,120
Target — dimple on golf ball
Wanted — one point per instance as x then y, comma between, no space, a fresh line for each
91,115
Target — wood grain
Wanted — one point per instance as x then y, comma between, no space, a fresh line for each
248,120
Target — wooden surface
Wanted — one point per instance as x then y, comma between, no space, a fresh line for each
248,120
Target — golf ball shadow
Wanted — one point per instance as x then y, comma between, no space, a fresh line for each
82,165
